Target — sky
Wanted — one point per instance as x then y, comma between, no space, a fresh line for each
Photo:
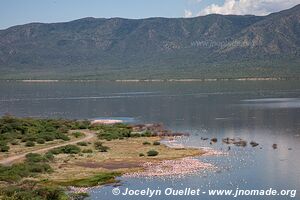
16,12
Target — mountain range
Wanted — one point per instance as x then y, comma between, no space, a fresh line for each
212,46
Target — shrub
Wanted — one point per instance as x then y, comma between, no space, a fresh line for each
82,143
55,151
77,134
4,148
14,142
48,137
40,141
62,136
146,143
99,146
49,156
156,143
30,144
70,149
103,148
146,134
87,151
34,158
141,154
39,168
152,153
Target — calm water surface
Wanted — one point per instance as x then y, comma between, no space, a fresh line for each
266,112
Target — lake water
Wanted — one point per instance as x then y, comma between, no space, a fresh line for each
267,112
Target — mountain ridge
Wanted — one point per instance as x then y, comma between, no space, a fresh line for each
212,46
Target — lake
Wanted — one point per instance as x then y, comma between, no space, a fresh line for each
267,112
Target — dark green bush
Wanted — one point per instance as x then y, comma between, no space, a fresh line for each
87,151
40,141
30,144
156,143
25,192
82,143
146,143
14,142
48,137
77,134
49,156
68,149
152,153
113,132
4,148
34,158
99,146
141,154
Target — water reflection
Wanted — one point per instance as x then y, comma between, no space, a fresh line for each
265,112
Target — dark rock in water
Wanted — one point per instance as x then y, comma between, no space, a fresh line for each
229,148
254,144
214,140
228,140
240,143
202,138
274,146
290,149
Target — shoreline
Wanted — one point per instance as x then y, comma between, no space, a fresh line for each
156,80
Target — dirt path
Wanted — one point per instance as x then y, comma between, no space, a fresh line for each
9,160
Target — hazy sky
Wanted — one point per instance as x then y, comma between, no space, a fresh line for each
15,12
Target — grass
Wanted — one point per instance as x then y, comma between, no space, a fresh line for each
99,179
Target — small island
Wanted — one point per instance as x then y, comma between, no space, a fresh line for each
60,158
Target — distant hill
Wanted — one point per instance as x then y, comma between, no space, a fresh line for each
212,46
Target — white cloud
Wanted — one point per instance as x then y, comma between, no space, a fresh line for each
244,7
188,13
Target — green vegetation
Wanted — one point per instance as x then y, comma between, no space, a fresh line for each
146,143
100,179
152,153
15,130
29,144
68,149
82,143
79,196
112,132
87,151
31,191
141,155
77,134
14,142
4,147
118,131
156,143
40,141
33,165
99,146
